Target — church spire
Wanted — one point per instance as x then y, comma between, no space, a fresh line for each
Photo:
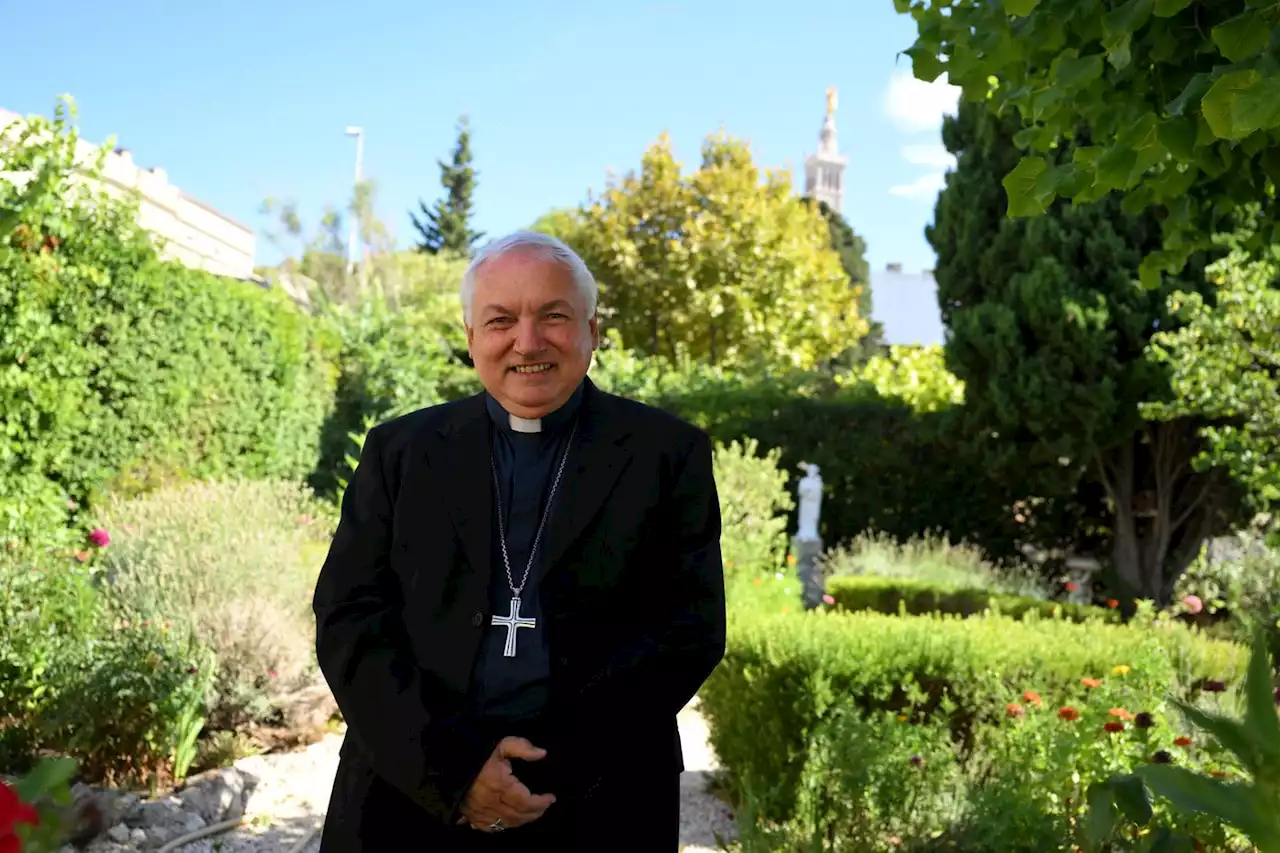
824,171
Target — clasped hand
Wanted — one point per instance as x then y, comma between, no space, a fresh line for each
498,795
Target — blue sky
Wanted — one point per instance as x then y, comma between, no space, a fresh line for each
242,100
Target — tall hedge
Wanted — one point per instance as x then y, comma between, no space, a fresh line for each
117,368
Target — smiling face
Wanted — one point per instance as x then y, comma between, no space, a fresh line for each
531,334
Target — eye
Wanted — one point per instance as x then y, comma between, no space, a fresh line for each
556,315
499,321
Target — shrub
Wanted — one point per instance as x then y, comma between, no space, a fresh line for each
224,561
783,676
119,698
122,370
933,560
392,362
918,598
754,502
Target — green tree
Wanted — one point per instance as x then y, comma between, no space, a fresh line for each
446,226
852,250
1182,98
724,264
1225,364
1049,330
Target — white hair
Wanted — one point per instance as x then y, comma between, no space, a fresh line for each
540,245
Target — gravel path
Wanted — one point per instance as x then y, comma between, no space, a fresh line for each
291,793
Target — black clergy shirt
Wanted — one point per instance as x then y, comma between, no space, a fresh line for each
514,688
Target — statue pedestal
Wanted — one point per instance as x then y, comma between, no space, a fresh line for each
807,551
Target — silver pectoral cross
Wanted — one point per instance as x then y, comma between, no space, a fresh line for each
513,623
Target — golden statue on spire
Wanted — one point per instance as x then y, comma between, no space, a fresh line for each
832,100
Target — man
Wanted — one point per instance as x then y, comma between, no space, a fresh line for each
524,589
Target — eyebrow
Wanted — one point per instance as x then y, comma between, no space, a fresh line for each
553,305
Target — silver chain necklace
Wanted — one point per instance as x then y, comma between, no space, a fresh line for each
514,621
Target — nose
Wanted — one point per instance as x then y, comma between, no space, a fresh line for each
529,339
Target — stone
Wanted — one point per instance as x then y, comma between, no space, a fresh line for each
215,796
138,836
308,709
119,833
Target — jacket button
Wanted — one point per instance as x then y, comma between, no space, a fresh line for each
477,618
564,661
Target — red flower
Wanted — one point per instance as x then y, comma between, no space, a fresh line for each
1070,587
1032,697
917,761
13,811
100,537
1114,726
1013,709
1068,713
1182,741
1091,682
1112,603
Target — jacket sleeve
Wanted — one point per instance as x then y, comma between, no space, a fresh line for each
681,643
363,650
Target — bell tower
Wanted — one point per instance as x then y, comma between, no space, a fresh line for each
824,171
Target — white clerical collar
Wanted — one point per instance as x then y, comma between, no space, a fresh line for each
524,424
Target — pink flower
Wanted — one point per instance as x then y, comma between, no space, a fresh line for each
100,537
1193,604
828,599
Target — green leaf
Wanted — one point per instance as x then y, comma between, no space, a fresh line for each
1101,819
1020,186
1127,18
1169,8
1242,36
1260,710
1075,72
902,6
47,775
1178,136
1164,840
1131,797
1020,8
925,63
1150,271
1115,166
1191,94
1228,732
1242,102
1118,52
1192,792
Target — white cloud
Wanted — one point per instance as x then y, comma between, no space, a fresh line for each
914,105
925,187
932,154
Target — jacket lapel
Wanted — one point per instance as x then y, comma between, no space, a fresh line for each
596,460
463,467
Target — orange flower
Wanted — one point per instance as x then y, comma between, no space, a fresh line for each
791,559
756,581
1114,726
1068,713
1112,603
1032,697
1217,774
1091,682
1182,741
1120,713
1014,709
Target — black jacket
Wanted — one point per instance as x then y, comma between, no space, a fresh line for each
633,596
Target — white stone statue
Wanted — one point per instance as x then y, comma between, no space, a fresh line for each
810,495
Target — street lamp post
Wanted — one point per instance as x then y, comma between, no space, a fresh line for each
358,133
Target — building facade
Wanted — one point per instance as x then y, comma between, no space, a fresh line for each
189,231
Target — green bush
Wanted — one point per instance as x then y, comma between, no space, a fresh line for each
783,676
230,563
121,370
920,598
754,502
392,362
118,697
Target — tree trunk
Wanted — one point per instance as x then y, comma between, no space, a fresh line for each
1163,510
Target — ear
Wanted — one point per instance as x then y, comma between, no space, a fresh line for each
594,325
471,337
